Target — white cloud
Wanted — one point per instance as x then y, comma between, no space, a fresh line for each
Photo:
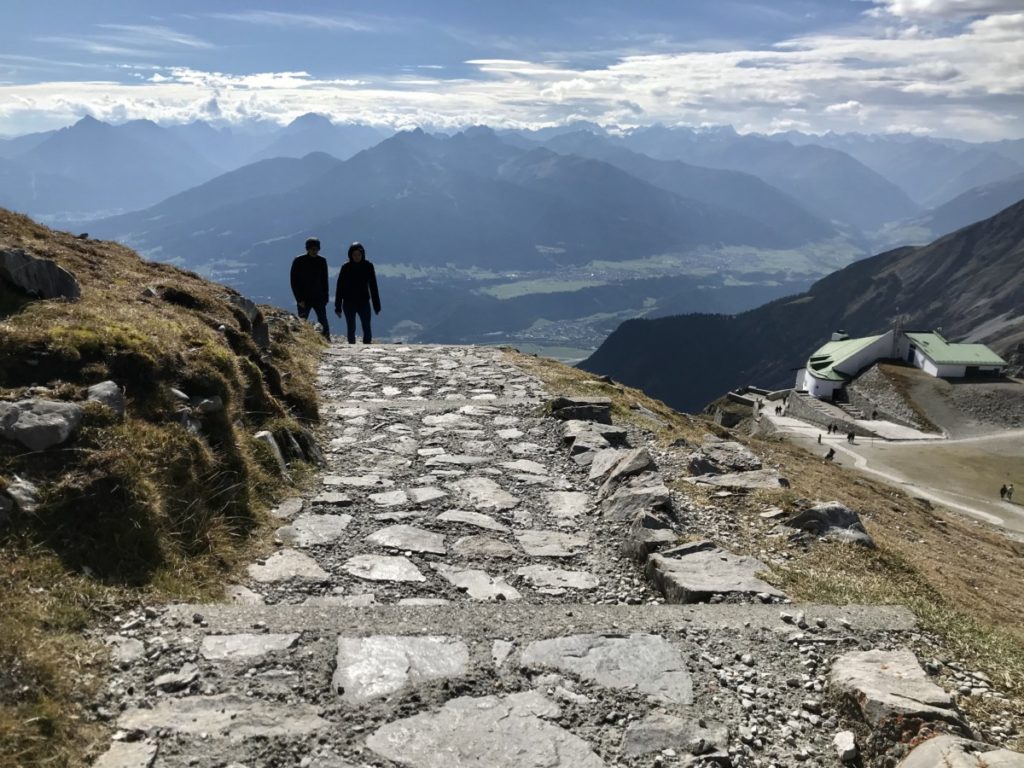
286,19
946,8
846,108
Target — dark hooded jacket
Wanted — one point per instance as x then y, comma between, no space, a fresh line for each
310,282
357,285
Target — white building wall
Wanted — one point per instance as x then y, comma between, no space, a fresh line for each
950,371
801,384
878,349
821,388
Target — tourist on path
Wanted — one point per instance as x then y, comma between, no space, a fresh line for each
356,291
1002,491
311,286
1009,492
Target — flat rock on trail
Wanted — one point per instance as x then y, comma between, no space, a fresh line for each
452,595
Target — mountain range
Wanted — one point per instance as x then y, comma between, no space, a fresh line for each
969,283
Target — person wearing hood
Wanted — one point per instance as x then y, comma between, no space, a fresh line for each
310,285
356,292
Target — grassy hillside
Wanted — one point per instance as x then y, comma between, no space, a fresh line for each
160,504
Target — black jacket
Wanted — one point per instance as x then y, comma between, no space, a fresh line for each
357,284
309,280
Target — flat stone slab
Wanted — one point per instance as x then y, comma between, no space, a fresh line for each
758,479
478,585
333,498
945,751
658,732
308,530
244,646
887,684
489,731
389,498
370,667
425,495
485,494
424,601
692,574
288,509
472,518
645,663
456,459
358,481
236,593
716,456
525,465
127,754
483,547
383,568
125,650
451,420
629,500
550,543
556,578
567,506
287,564
231,715
408,537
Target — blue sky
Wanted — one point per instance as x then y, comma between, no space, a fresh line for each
946,67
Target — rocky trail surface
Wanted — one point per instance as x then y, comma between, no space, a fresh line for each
478,583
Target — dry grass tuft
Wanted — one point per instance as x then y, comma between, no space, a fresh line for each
132,510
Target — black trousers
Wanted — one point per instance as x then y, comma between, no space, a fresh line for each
321,317
363,310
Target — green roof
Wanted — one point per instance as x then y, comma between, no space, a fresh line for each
821,365
940,351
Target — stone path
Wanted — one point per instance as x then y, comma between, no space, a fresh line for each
476,583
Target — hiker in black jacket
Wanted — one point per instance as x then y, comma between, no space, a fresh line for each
357,289
310,285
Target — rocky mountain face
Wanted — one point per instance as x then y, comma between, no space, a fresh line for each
969,283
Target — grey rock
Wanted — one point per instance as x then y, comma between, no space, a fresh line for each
370,667
890,684
644,494
951,752
265,437
472,518
287,564
455,459
244,645
632,463
389,498
450,421
567,506
358,481
496,732
128,754
408,537
500,651
478,585
338,601
39,424
24,494
424,601
309,530
109,394
483,547
758,479
550,543
613,436
649,532
176,681
658,732
556,578
846,746
604,462
288,508
525,465
645,663
383,568
425,495
718,456
258,329
695,572
236,593
231,715
832,520
125,650
582,409
485,494
38,277
333,498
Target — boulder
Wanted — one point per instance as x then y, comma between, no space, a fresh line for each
39,424
694,572
39,278
617,437
268,440
109,394
649,532
717,456
632,463
757,479
642,493
24,494
890,685
582,409
832,520
949,751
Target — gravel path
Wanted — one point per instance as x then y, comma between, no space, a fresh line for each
457,593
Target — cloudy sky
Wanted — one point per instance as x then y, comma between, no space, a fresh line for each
943,67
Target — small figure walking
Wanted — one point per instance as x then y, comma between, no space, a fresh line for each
310,285
849,436
1009,492
1002,491
874,414
819,438
356,291
831,454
